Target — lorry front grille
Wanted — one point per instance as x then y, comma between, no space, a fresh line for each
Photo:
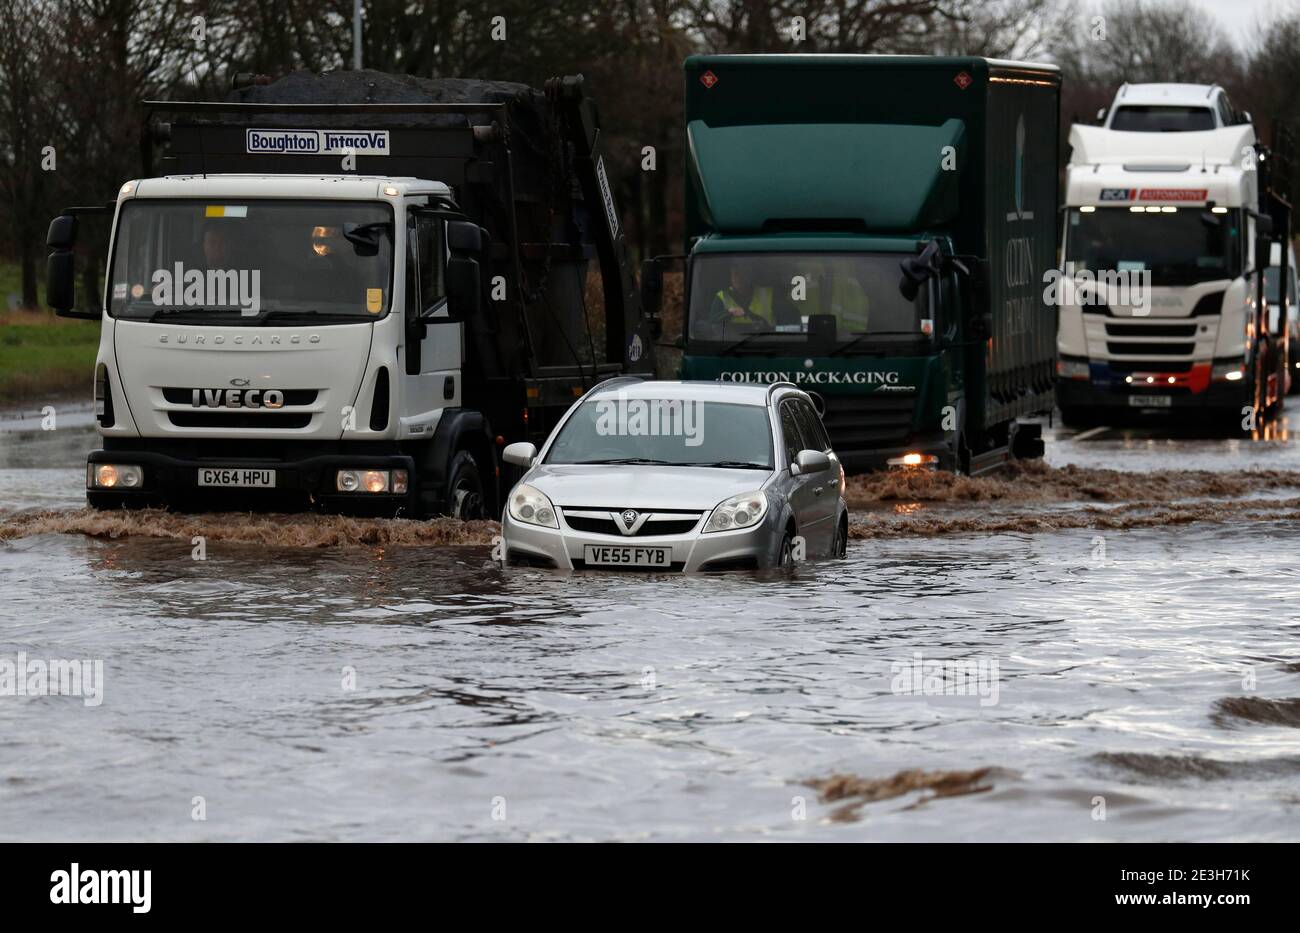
867,422
1128,348
294,397
264,420
1186,330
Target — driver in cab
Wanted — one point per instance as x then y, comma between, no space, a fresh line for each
742,305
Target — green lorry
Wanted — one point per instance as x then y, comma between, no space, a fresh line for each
877,230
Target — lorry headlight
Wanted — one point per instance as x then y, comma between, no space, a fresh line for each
913,462
373,481
1072,369
743,511
529,505
1227,372
114,476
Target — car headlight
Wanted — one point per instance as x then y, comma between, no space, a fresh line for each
743,511
529,505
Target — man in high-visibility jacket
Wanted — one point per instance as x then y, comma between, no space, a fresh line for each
742,305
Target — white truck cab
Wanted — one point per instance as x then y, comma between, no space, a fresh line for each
1177,215
280,333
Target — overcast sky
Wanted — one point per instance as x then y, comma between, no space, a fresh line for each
1240,17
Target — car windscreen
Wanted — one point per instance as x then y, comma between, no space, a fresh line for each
252,261
1162,119
784,298
1179,245
679,432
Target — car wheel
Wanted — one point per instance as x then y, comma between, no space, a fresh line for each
840,543
785,557
465,488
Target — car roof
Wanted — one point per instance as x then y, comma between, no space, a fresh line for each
732,392
1184,95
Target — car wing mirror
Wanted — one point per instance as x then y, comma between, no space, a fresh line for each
520,453
810,461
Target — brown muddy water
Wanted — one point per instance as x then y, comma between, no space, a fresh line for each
1117,626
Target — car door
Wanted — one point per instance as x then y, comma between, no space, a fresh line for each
825,485
804,499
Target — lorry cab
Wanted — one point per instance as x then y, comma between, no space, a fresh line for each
1166,239
1171,108
351,305
875,229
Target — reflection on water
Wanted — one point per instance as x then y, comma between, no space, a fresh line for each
392,692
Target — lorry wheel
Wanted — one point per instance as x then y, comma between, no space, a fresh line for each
465,488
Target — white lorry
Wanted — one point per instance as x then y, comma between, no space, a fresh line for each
349,291
1183,220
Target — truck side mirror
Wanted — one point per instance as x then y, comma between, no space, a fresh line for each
60,267
464,288
464,278
917,269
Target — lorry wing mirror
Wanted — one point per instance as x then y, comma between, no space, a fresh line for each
464,288
60,267
62,233
464,237
916,269
1264,225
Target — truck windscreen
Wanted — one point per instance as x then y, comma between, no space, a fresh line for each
1179,245
252,261
784,298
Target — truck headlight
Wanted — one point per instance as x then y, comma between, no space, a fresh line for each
743,511
394,481
529,505
1227,372
114,476
1072,369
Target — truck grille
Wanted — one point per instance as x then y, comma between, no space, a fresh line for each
867,422
1128,348
292,397
265,420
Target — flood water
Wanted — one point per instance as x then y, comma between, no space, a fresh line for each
1134,634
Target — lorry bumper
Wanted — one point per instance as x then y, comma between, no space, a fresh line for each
1111,399
178,480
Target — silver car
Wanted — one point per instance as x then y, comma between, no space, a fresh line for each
678,476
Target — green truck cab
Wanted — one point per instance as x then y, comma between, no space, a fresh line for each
876,230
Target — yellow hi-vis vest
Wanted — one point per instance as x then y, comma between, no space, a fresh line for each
760,303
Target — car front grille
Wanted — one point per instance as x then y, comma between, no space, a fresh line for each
601,522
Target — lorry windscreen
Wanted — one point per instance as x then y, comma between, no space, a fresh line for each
1179,245
245,261
1162,119
676,432
782,298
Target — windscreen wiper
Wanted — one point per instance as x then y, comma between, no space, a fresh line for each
732,465
864,335
747,338
305,313
628,460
